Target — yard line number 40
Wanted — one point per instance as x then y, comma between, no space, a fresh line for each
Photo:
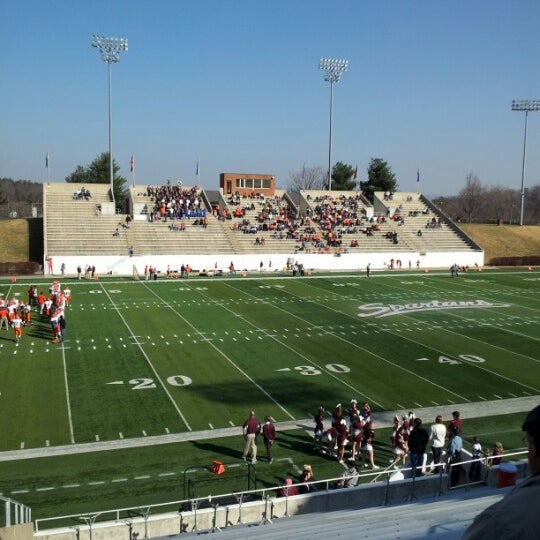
453,361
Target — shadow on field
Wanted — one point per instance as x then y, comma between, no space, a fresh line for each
220,450
290,394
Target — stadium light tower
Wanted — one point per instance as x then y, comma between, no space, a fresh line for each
109,49
333,70
524,105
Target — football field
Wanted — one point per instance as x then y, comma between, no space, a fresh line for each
147,358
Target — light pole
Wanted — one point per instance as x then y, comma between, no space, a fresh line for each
333,69
524,105
109,49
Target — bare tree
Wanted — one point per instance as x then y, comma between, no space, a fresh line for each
307,178
471,196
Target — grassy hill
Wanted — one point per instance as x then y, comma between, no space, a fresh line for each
505,240
22,240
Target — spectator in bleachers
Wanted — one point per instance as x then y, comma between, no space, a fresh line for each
174,201
306,480
496,454
349,478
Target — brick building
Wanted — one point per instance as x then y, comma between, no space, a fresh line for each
247,184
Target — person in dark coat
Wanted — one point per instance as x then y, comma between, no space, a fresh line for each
418,440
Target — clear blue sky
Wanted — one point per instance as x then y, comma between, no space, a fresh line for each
236,83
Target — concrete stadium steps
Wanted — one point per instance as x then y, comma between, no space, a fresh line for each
76,226
156,238
246,242
443,517
441,238
376,243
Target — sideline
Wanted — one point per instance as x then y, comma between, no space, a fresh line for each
382,419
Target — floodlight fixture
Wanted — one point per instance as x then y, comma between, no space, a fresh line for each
333,69
109,49
526,106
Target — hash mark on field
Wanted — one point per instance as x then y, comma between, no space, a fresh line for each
116,480
417,404
434,403
67,486
166,474
47,442
167,430
144,433
96,483
400,406
120,434
22,445
97,438
231,422
144,477
498,397
18,491
513,395
45,489
211,426
482,398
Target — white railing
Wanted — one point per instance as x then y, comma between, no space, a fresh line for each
15,512
366,480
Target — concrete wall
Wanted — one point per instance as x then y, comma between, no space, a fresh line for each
122,265
206,519
17,532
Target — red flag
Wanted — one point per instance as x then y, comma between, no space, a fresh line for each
132,163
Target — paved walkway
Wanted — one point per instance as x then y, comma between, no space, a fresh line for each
382,419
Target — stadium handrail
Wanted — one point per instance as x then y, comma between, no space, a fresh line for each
322,486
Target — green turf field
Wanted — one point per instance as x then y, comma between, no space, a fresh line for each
144,359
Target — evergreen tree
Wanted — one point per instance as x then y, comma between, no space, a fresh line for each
380,178
342,177
98,173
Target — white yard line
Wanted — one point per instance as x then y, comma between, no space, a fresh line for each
273,335
217,349
363,349
165,389
429,347
66,384
382,419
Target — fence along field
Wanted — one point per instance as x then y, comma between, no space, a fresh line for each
144,359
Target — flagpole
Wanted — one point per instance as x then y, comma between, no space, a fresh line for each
48,167
132,168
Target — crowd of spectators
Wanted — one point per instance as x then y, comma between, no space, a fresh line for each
175,202
272,214
82,194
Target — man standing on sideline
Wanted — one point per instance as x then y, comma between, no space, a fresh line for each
3,316
269,435
437,436
251,429
368,270
454,455
516,515
418,440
